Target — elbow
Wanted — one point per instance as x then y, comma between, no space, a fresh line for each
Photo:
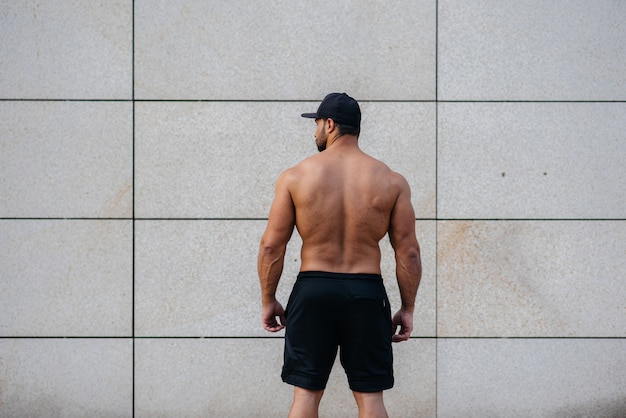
271,249
410,251
410,259
414,258
271,257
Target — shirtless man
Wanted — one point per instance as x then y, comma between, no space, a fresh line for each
343,202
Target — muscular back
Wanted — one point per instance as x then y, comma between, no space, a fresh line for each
343,201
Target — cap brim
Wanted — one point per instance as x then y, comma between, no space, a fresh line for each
310,115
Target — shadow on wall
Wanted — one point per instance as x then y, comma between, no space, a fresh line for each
49,406
601,409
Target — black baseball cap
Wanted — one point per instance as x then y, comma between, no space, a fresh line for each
340,107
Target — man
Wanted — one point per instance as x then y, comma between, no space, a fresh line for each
343,202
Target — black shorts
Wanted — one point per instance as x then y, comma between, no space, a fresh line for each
327,311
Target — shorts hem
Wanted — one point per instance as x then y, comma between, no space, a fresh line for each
369,388
371,385
303,382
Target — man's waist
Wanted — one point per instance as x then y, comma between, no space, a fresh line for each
338,275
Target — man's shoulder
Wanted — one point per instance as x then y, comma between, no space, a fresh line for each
395,180
385,169
399,180
397,176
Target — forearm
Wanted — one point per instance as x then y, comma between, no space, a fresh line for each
270,268
408,274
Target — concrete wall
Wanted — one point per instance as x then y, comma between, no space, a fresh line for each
139,145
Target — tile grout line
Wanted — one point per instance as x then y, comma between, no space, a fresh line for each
210,219
257,337
436,201
436,101
133,203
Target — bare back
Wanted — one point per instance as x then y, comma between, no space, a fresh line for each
343,200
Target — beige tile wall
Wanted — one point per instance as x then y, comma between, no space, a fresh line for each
66,50
284,50
531,160
66,159
531,50
531,377
139,145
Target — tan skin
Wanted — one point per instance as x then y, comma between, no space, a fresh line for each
343,202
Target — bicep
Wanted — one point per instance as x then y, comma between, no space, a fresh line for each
282,215
402,220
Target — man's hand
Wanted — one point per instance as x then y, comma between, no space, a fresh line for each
269,314
404,320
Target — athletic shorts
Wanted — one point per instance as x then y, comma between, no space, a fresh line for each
327,311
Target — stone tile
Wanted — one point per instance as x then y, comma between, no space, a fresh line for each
65,278
199,278
66,50
222,159
210,377
66,378
531,279
531,50
531,160
186,283
214,159
284,51
66,159
241,377
531,378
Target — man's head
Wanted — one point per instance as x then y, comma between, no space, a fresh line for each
343,110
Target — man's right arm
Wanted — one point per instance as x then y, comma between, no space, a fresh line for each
280,224
408,260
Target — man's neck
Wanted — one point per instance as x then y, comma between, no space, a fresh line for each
345,140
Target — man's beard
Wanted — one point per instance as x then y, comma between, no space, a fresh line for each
321,140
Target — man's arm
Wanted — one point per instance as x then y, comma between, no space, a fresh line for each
408,261
280,226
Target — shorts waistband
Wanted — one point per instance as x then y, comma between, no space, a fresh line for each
338,276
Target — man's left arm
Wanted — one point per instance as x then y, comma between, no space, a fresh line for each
280,224
408,260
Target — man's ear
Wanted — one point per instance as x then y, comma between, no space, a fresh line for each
330,125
